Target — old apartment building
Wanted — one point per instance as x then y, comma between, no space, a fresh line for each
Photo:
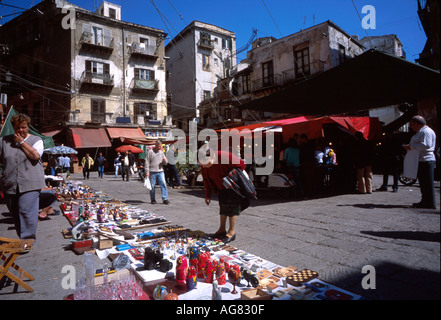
273,64
197,58
73,68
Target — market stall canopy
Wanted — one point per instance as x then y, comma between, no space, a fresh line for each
61,150
7,129
51,133
313,126
129,135
90,138
372,80
125,148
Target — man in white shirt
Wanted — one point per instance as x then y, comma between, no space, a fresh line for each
424,141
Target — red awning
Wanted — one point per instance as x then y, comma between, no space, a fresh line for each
51,133
130,133
313,126
90,138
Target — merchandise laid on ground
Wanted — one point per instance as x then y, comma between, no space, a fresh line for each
146,257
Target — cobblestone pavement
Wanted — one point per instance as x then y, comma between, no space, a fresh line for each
334,235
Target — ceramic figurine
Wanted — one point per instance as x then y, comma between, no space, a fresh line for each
209,271
250,278
220,274
203,257
215,292
193,254
225,263
181,269
192,280
234,277
100,214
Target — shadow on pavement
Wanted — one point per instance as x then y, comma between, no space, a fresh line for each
408,235
394,282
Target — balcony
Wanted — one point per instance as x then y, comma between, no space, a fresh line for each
206,44
143,86
267,83
103,45
92,81
142,51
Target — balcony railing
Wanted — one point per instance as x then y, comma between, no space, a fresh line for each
143,51
102,44
268,82
144,86
100,79
206,44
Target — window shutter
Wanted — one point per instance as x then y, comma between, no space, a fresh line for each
106,68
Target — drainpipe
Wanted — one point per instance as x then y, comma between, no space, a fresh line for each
124,71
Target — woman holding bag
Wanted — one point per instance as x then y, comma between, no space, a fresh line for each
213,171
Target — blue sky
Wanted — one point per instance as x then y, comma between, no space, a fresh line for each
277,18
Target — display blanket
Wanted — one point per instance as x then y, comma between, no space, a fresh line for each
170,262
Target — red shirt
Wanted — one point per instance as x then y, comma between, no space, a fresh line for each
215,174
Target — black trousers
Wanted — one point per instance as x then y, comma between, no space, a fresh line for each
86,173
426,176
125,172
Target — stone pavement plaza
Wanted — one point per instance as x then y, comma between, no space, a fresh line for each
334,235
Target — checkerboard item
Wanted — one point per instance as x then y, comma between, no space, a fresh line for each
301,276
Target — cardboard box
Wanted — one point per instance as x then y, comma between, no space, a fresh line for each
105,243
254,294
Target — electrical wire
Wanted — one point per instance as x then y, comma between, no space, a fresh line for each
198,57
180,51
272,18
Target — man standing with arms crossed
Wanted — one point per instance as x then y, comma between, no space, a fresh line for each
154,170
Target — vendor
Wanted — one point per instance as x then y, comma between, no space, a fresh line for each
23,175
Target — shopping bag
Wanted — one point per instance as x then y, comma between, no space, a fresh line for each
147,184
410,164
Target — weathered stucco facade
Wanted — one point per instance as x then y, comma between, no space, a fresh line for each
197,58
118,70
273,64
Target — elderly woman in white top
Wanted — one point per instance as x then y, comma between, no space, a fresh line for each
23,176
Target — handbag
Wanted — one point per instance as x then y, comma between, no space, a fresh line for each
147,184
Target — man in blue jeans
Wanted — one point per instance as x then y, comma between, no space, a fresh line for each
100,162
154,170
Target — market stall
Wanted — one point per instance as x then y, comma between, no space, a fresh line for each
146,257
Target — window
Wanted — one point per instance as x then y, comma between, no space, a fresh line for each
206,95
98,114
97,68
341,54
228,114
246,83
268,73
143,43
144,74
205,40
227,44
205,62
112,13
98,35
143,109
301,62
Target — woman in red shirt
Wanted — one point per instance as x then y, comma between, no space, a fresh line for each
213,171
